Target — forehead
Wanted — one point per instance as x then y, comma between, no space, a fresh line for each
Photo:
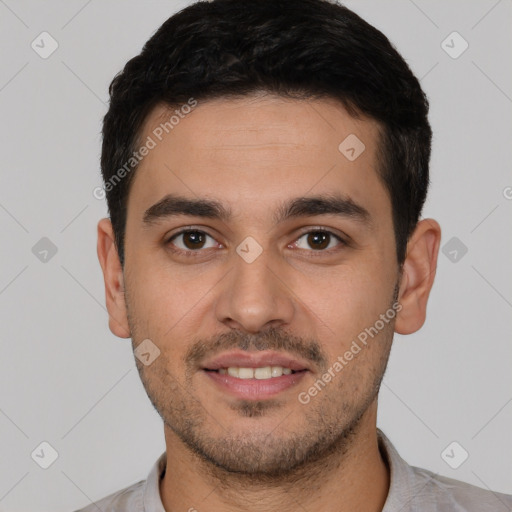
253,151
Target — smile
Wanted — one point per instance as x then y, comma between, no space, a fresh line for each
262,373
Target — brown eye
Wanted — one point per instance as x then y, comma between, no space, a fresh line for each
318,240
191,240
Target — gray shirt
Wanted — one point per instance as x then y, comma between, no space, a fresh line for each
411,490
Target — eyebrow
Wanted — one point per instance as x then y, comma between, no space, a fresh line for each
330,204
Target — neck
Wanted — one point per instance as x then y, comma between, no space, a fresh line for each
352,478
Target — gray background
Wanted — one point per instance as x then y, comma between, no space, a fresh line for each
65,379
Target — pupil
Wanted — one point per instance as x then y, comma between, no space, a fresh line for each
193,239
318,240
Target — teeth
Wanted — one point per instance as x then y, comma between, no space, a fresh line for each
245,373
233,371
277,371
265,372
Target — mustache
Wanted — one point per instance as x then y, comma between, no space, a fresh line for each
270,339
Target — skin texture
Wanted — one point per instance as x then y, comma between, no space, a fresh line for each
252,154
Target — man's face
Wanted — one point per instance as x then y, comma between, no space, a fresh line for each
296,294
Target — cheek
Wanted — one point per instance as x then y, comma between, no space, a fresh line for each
346,302
164,294
168,306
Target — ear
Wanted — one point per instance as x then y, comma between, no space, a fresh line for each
418,274
114,280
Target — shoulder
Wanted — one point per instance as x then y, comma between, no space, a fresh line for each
414,489
444,493
126,500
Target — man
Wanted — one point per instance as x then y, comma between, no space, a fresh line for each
265,166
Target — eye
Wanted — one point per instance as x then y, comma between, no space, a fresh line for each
192,240
318,240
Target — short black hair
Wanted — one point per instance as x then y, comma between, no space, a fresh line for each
304,49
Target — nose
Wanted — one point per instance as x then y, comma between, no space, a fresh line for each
256,295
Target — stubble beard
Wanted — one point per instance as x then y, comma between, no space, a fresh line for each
324,434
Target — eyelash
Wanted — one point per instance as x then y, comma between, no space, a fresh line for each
312,253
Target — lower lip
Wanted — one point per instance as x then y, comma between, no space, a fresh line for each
255,389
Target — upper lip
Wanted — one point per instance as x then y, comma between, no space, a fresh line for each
254,360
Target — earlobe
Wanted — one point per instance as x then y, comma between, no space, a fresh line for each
113,278
418,274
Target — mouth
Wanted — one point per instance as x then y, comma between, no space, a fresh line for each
261,373
254,376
